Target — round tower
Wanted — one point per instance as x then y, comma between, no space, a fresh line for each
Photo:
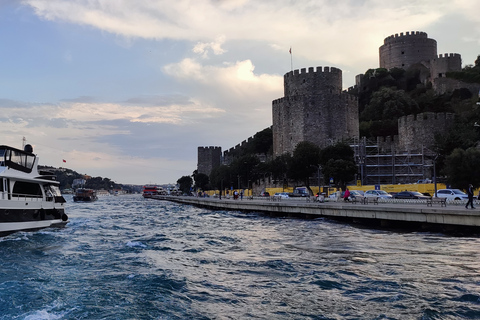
313,109
301,82
404,50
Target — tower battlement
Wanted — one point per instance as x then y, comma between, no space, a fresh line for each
315,81
403,50
401,37
449,55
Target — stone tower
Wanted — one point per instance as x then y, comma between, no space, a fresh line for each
208,159
402,51
313,109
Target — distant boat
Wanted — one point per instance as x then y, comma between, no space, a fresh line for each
85,195
152,190
30,198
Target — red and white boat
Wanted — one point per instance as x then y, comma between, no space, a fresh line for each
151,190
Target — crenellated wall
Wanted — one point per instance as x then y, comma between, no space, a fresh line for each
208,158
445,63
301,82
419,130
403,50
314,109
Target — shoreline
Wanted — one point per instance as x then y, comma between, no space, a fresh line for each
385,214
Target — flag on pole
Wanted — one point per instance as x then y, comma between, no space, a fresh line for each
64,160
290,51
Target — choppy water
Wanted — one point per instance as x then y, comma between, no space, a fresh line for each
129,258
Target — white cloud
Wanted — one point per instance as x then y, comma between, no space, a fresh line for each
330,30
215,46
231,78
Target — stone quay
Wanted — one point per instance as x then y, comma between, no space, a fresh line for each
390,214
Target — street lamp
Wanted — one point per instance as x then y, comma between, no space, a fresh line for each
318,167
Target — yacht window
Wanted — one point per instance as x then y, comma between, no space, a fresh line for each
27,189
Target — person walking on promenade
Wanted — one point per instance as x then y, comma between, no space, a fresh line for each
346,195
470,197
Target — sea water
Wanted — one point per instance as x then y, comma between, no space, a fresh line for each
126,257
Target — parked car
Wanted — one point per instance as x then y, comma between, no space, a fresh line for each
377,194
281,195
359,192
452,194
299,192
265,194
355,194
410,195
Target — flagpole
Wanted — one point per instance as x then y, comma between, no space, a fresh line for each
291,58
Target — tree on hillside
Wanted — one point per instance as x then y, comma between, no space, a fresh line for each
461,167
389,103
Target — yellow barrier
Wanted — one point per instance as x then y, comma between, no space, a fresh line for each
390,188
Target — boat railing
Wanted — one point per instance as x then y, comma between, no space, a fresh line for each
25,197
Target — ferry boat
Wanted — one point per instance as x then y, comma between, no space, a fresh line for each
151,190
30,198
85,195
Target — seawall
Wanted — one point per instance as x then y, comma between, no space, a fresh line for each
384,214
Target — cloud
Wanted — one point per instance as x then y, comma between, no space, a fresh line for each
326,29
215,46
237,79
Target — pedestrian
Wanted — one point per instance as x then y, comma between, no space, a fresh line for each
346,195
241,195
470,197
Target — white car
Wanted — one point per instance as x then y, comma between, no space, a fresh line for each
281,195
377,194
452,194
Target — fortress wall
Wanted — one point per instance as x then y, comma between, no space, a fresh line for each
419,130
444,85
403,50
301,82
445,63
208,158
321,119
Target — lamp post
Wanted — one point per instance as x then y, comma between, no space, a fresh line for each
318,167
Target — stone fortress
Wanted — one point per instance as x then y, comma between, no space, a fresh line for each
314,108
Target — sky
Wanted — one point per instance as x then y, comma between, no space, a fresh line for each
129,89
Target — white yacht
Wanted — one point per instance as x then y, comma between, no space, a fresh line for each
30,199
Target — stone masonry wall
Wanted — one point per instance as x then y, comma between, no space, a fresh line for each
415,131
208,158
402,51
314,109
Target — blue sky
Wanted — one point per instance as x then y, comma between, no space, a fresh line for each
129,89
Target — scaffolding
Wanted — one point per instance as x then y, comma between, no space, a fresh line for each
381,165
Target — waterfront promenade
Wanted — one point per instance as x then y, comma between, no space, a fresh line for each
391,213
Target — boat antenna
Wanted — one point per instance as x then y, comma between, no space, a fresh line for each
24,140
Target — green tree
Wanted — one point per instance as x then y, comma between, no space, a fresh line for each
201,180
220,177
461,167
389,103
305,160
338,162
185,184
279,167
